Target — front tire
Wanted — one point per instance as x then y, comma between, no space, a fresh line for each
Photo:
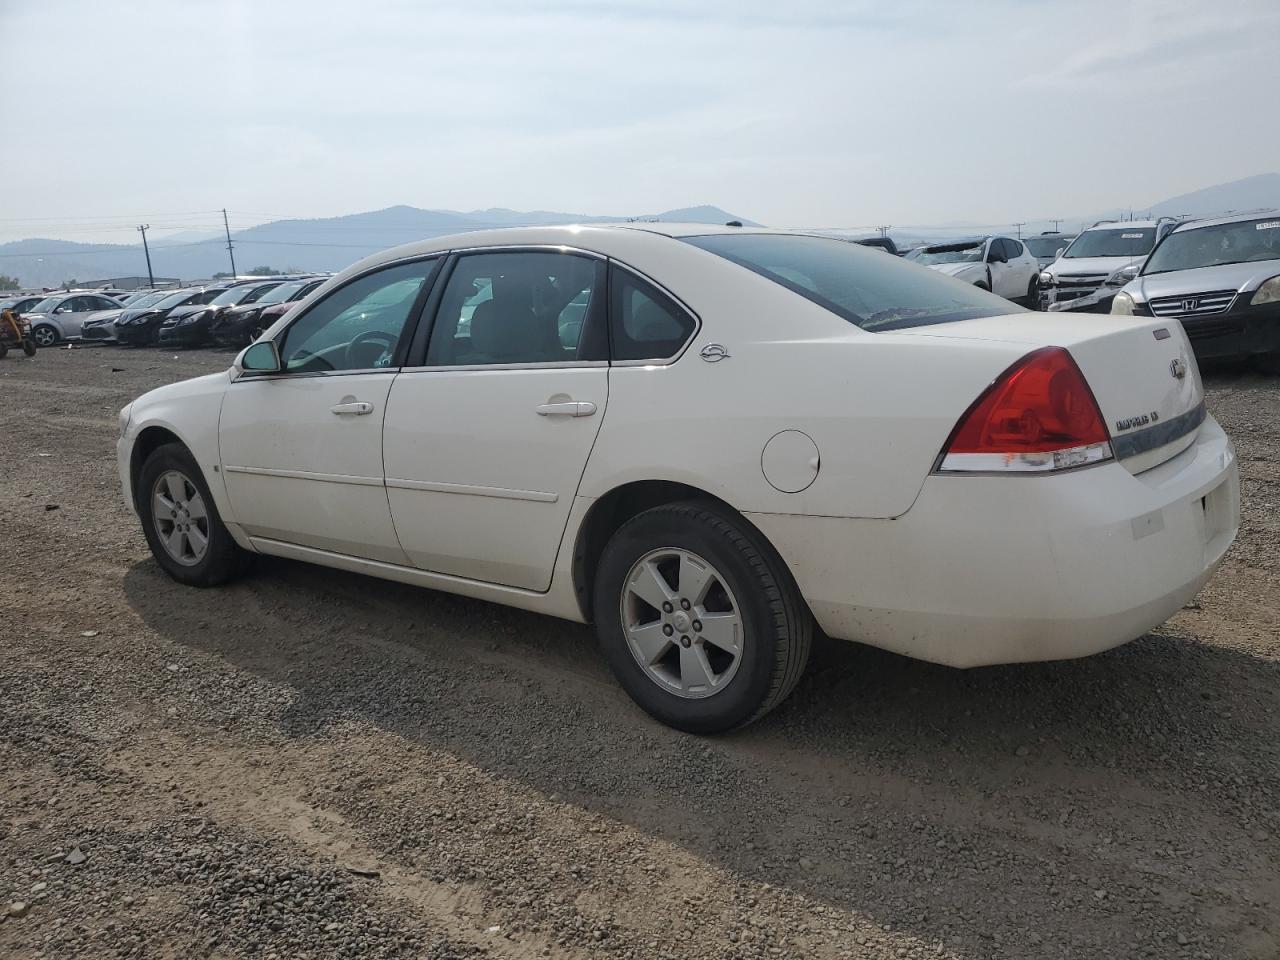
1033,294
44,335
698,617
181,522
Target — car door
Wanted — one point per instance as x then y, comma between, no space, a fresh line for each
998,266
1023,267
487,436
72,313
301,449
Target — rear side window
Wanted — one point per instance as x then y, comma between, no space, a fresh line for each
861,286
644,323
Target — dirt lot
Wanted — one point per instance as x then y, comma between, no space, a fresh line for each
311,764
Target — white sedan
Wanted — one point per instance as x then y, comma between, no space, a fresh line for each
1000,264
705,440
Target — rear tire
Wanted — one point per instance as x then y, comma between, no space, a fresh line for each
29,347
181,522
44,335
700,677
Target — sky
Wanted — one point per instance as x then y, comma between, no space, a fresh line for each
802,113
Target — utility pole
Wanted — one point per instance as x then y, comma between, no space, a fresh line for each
151,280
230,252
1020,226
1057,226
884,230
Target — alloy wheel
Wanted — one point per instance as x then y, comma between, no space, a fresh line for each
180,518
682,623
44,336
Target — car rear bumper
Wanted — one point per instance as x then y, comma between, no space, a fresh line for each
987,570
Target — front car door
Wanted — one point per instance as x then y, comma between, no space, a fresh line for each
302,449
488,432
73,312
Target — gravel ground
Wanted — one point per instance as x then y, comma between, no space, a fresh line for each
314,764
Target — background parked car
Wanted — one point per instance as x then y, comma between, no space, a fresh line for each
240,325
1098,262
882,243
60,317
22,304
999,264
189,326
1045,247
141,327
1221,279
101,326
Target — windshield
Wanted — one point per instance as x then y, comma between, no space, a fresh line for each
1046,246
862,286
45,305
245,293
965,251
174,300
1113,242
1241,242
282,293
149,299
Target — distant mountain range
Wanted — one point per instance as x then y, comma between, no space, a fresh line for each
324,244
334,242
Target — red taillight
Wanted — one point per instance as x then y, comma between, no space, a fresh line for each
1038,415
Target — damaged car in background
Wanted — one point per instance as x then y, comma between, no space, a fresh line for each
1001,265
1098,262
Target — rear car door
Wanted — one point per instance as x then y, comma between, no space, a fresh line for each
488,432
301,449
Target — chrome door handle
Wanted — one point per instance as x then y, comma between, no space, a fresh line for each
356,408
569,408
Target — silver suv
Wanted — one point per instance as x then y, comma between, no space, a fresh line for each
1098,262
1221,279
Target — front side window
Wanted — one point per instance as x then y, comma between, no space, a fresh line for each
873,292
358,326
1245,241
1113,242
515,307
644,323
1012,249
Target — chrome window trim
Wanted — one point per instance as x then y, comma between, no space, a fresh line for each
284,375
539,365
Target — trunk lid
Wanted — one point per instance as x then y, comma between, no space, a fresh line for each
1132,364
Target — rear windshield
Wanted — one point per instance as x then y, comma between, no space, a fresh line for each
1113,242
1242,242
862,286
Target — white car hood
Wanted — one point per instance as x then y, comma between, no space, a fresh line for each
1074,266
959,269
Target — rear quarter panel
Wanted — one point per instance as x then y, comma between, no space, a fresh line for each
879,407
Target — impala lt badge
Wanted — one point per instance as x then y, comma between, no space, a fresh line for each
713,352
1178,368
1141,420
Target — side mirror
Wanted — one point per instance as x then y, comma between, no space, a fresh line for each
260,357
1061,251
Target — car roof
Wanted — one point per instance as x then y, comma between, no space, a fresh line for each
1241,217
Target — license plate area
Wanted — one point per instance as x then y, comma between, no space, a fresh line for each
1215,508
